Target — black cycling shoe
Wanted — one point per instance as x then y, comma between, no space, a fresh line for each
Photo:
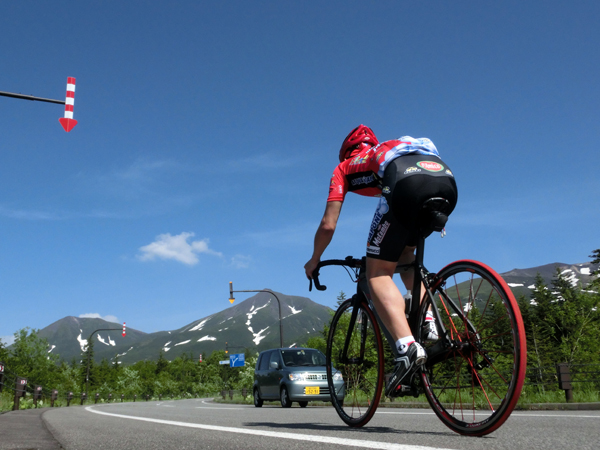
406,366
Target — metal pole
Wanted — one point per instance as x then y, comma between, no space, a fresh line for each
87,375
30,97
231,291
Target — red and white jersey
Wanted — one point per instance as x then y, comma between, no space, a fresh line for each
362,173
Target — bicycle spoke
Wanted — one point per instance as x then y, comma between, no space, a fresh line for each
354,348
484,365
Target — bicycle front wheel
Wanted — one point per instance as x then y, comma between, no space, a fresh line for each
354,363
476,367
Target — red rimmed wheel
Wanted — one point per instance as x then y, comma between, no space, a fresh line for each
355,363
476,369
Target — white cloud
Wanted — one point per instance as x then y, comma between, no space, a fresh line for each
241,261
176,247
108,318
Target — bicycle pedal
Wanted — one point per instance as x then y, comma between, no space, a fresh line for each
404,390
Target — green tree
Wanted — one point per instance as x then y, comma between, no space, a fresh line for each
564,323
596,258
87,358
595,284
30,358
162,364
3,352
341,298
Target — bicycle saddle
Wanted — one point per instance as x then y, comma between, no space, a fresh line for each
434,214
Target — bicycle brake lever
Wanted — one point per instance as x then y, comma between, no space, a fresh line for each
309,284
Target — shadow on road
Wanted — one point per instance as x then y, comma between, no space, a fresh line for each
328,427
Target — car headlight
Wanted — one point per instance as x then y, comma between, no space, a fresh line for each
338,376
297,376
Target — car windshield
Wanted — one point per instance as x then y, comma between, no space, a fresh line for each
302,357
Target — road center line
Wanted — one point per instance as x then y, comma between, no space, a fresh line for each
274,434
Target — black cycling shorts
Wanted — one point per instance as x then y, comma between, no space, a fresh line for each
408,181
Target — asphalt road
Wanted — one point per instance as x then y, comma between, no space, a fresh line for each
201,424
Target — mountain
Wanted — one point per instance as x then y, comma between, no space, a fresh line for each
521,281
68,337
252,324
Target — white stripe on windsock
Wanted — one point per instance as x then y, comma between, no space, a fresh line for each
70,98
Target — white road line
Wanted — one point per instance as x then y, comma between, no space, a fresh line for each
274,434
556,415
215,407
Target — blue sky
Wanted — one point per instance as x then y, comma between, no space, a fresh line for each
208,132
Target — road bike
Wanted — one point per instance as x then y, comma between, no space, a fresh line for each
475,368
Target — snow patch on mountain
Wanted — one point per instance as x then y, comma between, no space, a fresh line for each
258,336
253,312
199,326
83,343
110,341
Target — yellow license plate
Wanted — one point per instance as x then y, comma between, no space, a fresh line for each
311,390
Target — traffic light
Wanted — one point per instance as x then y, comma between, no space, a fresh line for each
226,348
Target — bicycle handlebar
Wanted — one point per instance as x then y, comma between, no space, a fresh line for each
348,262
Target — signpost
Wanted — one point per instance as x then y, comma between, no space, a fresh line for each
237,360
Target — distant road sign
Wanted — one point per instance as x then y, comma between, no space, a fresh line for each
237,360
224,362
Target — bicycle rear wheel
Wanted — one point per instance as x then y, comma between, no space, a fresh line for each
354,363
475,370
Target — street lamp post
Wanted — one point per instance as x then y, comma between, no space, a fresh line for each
231,291
87,373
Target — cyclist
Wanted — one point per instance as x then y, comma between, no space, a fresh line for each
403,173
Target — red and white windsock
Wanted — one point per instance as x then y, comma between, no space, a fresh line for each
68,122
123,329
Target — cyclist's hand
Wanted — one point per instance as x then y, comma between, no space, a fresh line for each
310,267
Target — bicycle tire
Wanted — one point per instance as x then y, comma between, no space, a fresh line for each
362,366
474,383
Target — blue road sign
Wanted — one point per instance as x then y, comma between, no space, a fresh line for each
237,360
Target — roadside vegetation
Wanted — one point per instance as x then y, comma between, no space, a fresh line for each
562,323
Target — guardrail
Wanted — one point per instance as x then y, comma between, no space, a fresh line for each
23,388
564,376
231,392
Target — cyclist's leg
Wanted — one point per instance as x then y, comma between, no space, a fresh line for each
386,297
385,248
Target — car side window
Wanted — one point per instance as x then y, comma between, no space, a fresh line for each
275,358
264,361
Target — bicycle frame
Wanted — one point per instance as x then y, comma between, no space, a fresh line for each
422,278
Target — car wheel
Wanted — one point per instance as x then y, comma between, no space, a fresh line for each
257,400
285,398
303,404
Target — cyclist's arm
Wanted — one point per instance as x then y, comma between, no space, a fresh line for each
324,234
